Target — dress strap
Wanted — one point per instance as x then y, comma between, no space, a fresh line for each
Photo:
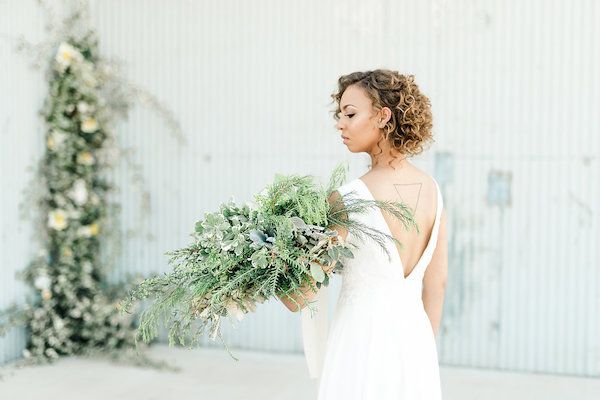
421,266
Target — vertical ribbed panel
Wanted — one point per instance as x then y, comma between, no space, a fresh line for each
515,100
22,91
514,89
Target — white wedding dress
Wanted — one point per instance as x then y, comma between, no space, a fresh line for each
380,345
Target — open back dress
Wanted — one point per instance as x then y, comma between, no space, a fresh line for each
380,343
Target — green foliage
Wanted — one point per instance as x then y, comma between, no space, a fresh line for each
73,309
245,254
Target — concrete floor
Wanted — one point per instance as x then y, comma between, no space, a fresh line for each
212,374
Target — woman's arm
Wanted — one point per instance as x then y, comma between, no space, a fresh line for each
436,276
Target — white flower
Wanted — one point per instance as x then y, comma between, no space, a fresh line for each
85,158
83,107
67,55
86,266
89,125
57,219
55,139
42,282
79,192
75,313
58,323
84,231
26,353
88,230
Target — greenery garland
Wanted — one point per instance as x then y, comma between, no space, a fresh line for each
73,310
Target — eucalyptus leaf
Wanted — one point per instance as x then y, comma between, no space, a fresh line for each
317,272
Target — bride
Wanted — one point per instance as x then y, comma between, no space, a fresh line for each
381,341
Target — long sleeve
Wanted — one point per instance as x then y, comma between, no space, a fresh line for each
314,333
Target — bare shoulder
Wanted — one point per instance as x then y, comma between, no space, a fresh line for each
409,184
410,174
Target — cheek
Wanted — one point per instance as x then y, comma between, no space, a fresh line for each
364,130
360,126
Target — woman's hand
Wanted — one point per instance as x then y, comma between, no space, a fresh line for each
306,290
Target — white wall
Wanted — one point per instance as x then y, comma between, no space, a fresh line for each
513,88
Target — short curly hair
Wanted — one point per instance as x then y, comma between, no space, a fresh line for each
410,126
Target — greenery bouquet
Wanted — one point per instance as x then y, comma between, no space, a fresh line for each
246,254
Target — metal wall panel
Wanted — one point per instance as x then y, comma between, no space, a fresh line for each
514,93
22,90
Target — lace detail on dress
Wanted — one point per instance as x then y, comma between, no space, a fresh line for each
354,292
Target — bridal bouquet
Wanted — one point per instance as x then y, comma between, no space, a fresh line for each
246,254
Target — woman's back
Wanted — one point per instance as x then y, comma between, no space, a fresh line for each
417,190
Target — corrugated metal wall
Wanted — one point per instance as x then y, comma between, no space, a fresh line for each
513,86
22,91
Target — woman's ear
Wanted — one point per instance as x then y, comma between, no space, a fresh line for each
384,116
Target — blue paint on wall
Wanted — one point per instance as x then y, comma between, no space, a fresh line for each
499,188
444,167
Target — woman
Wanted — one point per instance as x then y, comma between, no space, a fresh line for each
381,344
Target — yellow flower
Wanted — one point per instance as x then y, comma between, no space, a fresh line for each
46,294
88,230
50,143
66,55
89,125
85,158
57,219
94,229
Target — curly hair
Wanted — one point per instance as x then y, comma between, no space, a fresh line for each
410,126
